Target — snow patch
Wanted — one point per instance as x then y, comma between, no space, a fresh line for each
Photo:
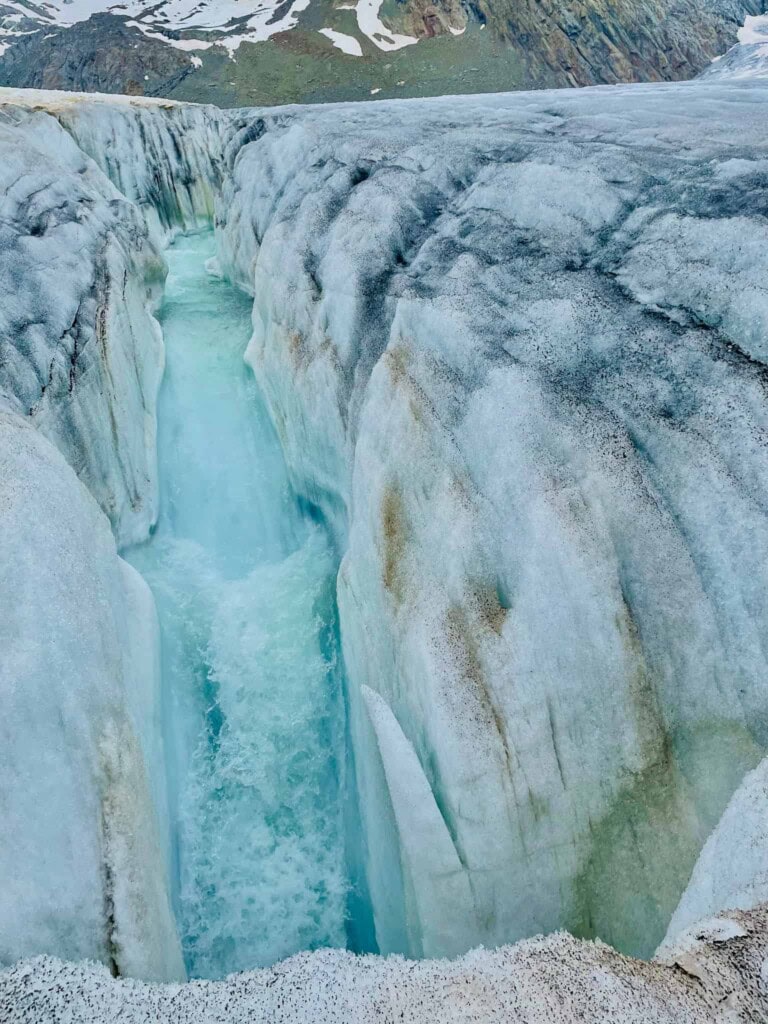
348,44
371,26
754,29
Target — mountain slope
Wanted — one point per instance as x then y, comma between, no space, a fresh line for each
233,52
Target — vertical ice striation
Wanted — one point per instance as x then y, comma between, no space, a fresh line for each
254,713
83,857
514,347
165,157
80,352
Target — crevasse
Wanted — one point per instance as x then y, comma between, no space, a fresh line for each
253,709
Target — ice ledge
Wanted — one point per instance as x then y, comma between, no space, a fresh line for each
717,975
51,99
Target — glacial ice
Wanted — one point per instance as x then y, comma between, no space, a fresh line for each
513,351
513,347
78,269
165,158
715,974
84,274
81,858
748,58
85,848
439,908
732,869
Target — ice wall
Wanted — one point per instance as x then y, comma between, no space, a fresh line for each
83,857
80,352
81,861
513,347
167,158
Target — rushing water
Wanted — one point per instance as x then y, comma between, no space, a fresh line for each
254,714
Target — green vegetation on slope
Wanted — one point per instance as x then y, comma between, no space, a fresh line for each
304,67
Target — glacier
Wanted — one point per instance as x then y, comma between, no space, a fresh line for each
509,363
81,855
70,241
732,870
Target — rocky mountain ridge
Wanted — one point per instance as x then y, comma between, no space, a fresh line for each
232,53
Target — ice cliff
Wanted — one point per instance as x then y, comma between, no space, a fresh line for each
514,348
81,353
166,158
83,854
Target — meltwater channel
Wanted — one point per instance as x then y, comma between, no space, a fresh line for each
253,702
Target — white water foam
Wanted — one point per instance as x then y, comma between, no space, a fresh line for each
253,704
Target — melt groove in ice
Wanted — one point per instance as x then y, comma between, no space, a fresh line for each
253,706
